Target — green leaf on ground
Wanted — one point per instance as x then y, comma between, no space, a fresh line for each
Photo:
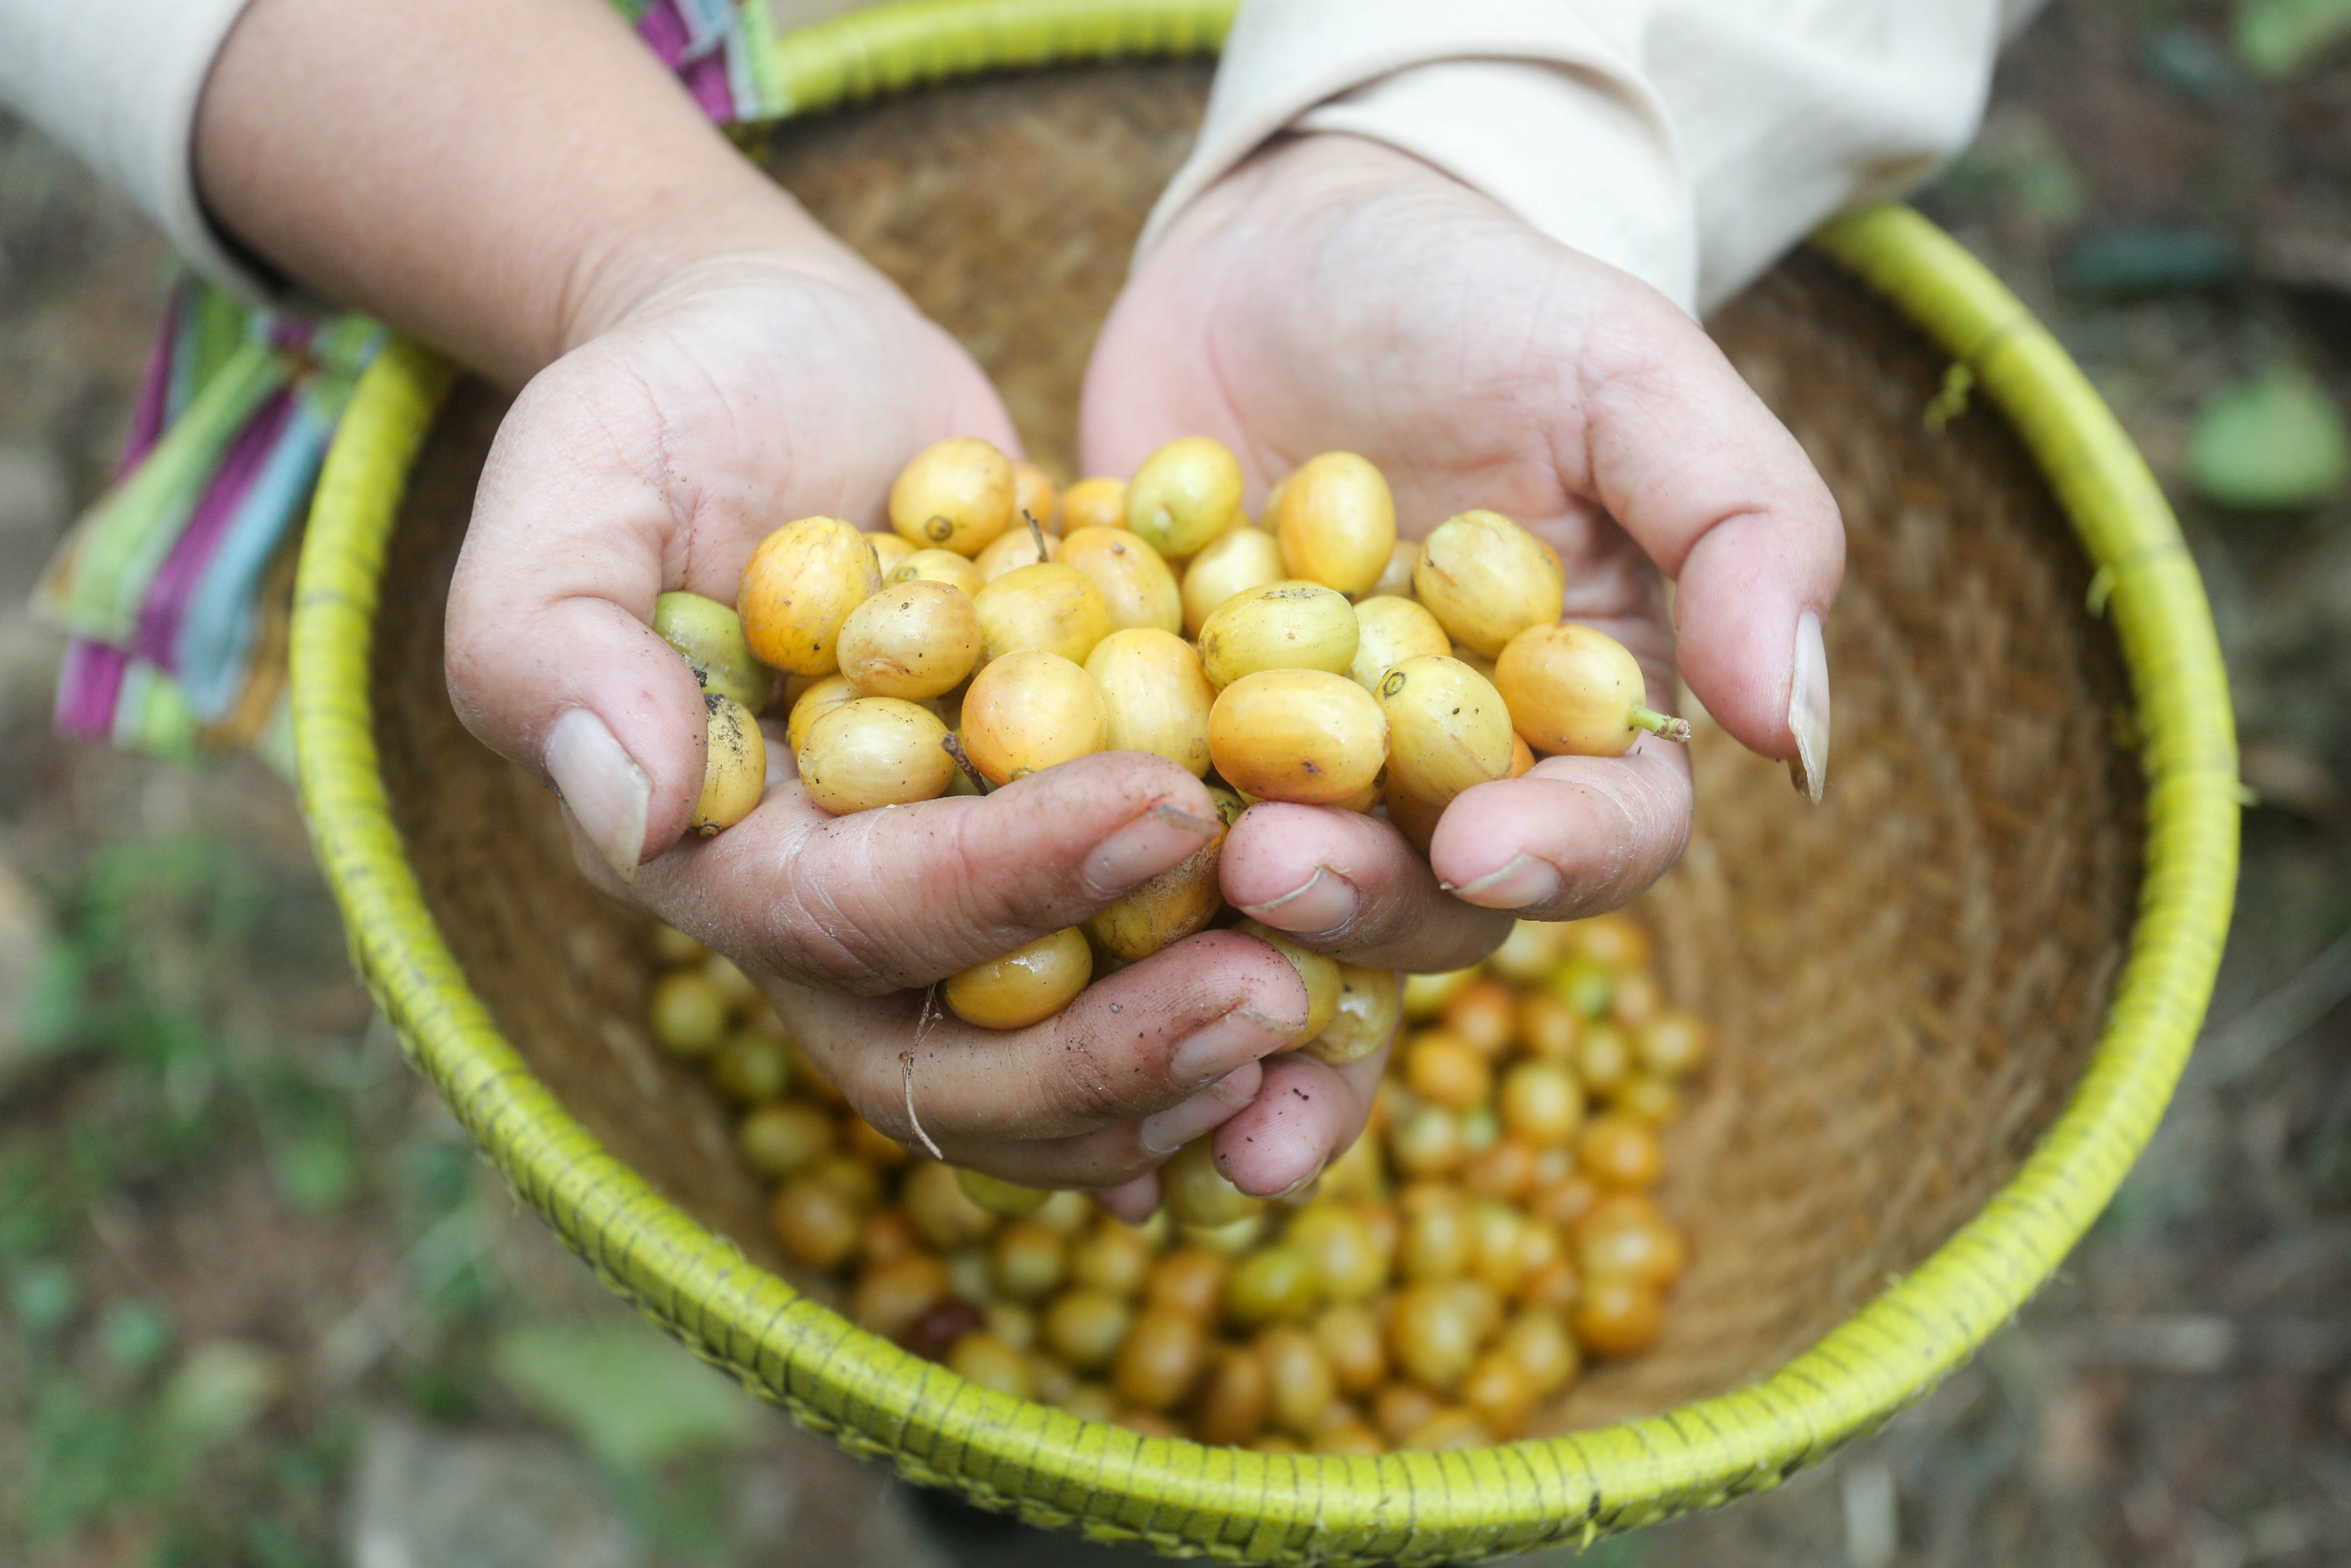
630,1396
2277,38
2275,442
218,1392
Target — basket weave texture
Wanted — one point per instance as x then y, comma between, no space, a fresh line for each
1952,1000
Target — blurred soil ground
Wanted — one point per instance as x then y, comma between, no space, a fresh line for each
260,1305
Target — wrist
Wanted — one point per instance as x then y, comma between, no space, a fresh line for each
667,235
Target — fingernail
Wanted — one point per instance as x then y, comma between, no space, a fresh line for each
1239,1038
607,792
1145,847
1321,902
1303,1182
1524,883
1808,709
1164,1131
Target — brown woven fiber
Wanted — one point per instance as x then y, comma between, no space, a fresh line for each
1906,981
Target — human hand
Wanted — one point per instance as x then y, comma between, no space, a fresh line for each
1336,294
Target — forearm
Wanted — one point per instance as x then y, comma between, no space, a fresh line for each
500,180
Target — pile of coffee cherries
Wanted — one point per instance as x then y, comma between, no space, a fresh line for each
1442,1284
1001,628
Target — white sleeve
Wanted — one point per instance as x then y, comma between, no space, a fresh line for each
1688,141
118,81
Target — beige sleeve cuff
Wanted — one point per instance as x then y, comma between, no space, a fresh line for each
1689,142
118,81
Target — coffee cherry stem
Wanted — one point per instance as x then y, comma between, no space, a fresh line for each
1035,530
953,745
1659,725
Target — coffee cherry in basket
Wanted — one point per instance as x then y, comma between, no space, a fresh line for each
1026,986
1027,711
734,766
710,635
911,640
1185,494
1486,580
1447,728
1298,734
798,588
957,494
1336,522
1576,692
875,751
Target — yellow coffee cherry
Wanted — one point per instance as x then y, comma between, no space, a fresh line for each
1430,1335
1132,578
1154,696
1161,1358
1318,971
1488,580
783,1137
689,1013
1229,1409
875,751
816,702
1286,625
912,640
1015,547
1541,1102
734,766
1298,734
1026,986
710,635
955,495
1185,494
1410,815
1114,1258
1336,523
1085,1327
941,566
1370,1002
941,1212
1350,1335
988,1361
890,551
1448,727
1049,608
1389,631
1027,711
1033,496
1272,1284
1576,692
1539,1340
1198,1193
1234,562
1347,1259
1028,1259
799,586
1300,1384
1395,577
1165,910
1097,503
998,1196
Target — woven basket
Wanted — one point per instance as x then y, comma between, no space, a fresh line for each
1953,1000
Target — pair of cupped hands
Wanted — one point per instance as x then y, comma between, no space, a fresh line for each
1329,294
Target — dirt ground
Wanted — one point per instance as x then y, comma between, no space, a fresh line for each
260,1305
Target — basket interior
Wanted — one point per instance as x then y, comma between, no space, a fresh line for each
1906,981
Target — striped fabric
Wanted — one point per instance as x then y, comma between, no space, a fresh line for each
175,589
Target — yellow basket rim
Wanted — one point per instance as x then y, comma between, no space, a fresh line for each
1179,1496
